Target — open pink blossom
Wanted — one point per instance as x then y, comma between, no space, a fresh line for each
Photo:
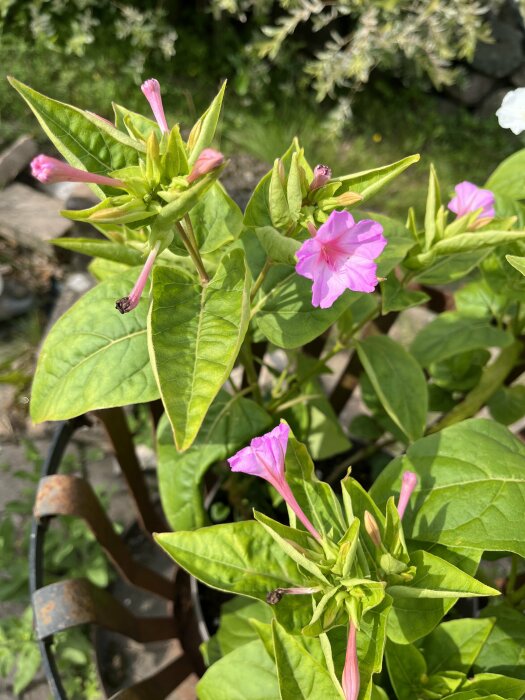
341,256
408,484
208,160
50,170
265,458
151,90
131,302
351,679
469,198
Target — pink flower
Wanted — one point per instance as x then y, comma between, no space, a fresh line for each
49,170
208,160
470,198
151,90
408,484
322,175
350,681
129,303
340,257
265,458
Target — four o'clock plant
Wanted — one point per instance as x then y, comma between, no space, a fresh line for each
231,318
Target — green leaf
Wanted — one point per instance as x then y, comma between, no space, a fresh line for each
199,332
508,176
436,578
301,676
463,243
517,262
504,650
108,250
391,369
487,683
456,644
278,247
451,268
234,557
471,487
216,219
203,132
407,670
395,297
294,193
450,334
85,141
246,673
431,211
81,365
368,182
507,405
137,125
284,311
278,204
28,661
230,422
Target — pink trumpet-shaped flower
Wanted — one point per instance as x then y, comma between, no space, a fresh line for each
322,175
151,90
50,170
341,256
265,458
351,680
129,303
469,198
275,596
408,484
208,160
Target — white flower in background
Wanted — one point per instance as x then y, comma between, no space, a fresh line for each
511,114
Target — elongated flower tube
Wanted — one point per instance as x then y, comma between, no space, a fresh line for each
408,484
151,90
130,302
50,170
351,680
275,596
208,160
469,198
341,256
322,175
265,458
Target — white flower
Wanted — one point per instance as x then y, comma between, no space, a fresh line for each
511,114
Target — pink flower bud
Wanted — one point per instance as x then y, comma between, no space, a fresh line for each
50,170
208,160
372,529
408,484
129,303
151,90
351,680
322,175
265,458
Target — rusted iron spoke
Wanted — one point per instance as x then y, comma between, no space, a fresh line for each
160,684
63,494
66,604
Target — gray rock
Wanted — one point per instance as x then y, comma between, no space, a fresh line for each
518,77
31,218
502,57
15,158
472,89
491,104
15,299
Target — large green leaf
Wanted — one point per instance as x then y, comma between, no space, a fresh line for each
451,333
96,248
471,487
94,357
84,140
247,673
301,676
456,644
236,626
368,182
195,334
230,422
235,557
509,176
284,311
391,370
407,669
487,683
216,219
504,650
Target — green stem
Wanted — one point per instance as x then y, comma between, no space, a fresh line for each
190,232
249,367
194,254
260,278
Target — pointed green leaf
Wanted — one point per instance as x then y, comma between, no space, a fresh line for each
433,204
195,334
278,204
487,683
81,366
407,670
455,645
504,650
517,262
463,243
293,189
137,125
391,369
508,176
278,247
368,182
108,250
203,132
85,141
